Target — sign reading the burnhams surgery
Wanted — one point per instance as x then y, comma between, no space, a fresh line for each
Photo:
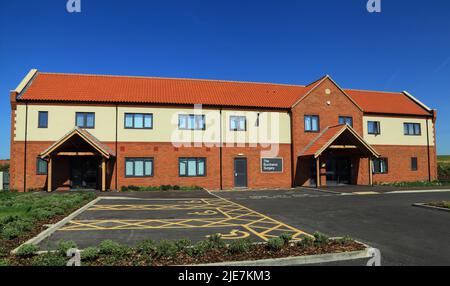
272,165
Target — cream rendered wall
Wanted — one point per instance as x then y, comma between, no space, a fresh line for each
392,131
61,120
274,127
165,126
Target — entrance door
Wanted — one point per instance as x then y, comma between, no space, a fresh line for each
339,171
240,172
84,173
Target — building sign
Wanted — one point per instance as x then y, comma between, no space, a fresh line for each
272,165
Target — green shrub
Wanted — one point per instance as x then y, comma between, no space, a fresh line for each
109,247
3,251
166,187
176,188
146,247
306,241
320,238
216,241
27,250
345,240
200,248
64,246
166,249
182,244
41,214
16,228
49,259
7,220
4,168
90,254
444,171
286,237
239,246
4,262
275,244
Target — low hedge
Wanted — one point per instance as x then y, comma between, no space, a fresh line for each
444,171
159,188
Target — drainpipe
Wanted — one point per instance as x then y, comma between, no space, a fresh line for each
117,151
220,150
292,151
25,150
428,153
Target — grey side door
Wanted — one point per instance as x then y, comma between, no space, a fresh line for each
240,172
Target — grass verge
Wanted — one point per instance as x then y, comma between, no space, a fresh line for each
443,204
23,215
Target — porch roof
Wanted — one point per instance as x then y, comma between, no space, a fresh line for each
328,136
104,150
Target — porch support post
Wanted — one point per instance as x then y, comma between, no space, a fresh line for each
370,171
318,184
50,175
103,174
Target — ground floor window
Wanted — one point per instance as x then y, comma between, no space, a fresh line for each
41,167
414,165
192,167
380,166
139,167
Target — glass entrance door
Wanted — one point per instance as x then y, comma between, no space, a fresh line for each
85,173
339,171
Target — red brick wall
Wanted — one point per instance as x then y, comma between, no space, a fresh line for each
399,163
316,104
257,179
165,166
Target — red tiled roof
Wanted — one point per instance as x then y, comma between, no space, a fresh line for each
128,89
91,139
330,135
93,88
386,102
322,139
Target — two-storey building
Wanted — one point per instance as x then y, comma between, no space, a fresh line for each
72,131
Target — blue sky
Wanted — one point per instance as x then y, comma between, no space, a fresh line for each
405,47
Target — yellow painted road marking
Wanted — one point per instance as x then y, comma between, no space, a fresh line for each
233,215
365,193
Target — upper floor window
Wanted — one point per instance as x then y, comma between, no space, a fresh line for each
191,122
373,127
192,167
43,119
238,123
139,167
346,120
138,121
414,164
380,166
85,119
41,167
312,123
412,129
